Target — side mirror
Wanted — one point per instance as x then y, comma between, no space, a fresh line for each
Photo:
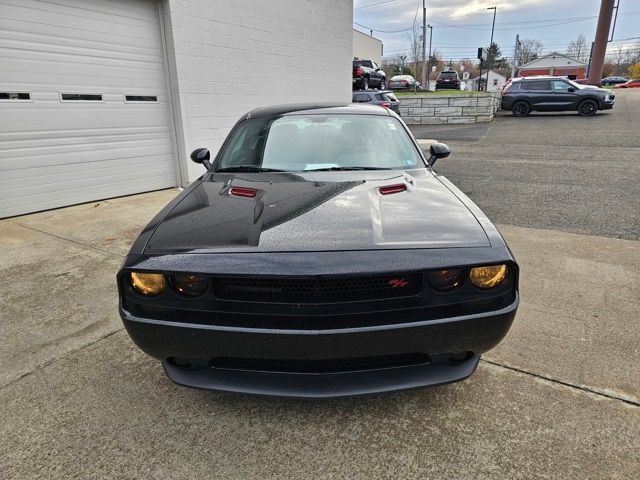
438,150
571,89
202,156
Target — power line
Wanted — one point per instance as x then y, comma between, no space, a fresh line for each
373,5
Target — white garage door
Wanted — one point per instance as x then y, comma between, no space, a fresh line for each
83,103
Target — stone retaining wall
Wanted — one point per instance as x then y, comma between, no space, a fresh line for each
438,109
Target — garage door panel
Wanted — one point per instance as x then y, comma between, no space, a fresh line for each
21,137
83,8
68,36
40,184
81,195
78,116
96,141
55,153
80,154
65,15
44,46
60,173
83,73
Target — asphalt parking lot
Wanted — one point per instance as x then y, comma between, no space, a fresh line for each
559,398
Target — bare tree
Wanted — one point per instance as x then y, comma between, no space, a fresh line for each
529,50
634,52
414,35
620,56
578,48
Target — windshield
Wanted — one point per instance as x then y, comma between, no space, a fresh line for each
574,84
320,142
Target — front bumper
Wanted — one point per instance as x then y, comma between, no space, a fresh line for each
439,339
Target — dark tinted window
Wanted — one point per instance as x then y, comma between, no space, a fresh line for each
141,98
87,97
453,75
362,63
389,97
535,85
361,98
15,96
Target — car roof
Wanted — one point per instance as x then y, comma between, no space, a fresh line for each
371,92
314,108
539,77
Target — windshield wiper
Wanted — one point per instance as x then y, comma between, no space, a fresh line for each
248,168
328,169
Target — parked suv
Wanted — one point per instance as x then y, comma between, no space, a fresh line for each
554,94
385,98
366,73
448,79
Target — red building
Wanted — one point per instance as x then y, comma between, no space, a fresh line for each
554,64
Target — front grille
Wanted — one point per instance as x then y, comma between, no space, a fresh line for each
319,366
317,290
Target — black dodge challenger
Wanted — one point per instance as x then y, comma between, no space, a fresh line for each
320,255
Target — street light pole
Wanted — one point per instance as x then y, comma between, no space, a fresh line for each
514,65
429,69
486,85
424,41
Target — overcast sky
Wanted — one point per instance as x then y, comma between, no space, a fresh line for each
460,26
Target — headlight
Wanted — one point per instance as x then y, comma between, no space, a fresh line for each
149,284
442,280
488,277
189,285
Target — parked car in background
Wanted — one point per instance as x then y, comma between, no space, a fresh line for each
319,255
367,74
614,80
402,82
448,79
384,98
630,84
554,94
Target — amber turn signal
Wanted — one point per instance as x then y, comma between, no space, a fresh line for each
148,284
489,276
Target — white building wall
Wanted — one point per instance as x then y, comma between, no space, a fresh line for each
228,57
367,47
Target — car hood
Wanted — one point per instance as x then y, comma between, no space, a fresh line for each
317,212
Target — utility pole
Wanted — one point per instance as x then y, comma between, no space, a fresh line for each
424,42
495,9
429,68
515,57
600,43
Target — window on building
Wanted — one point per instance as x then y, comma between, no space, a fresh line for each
86,97
15,96
141,98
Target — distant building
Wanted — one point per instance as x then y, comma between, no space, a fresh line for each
366,47
554,64
496,82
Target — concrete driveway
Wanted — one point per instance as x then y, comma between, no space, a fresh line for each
559,398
